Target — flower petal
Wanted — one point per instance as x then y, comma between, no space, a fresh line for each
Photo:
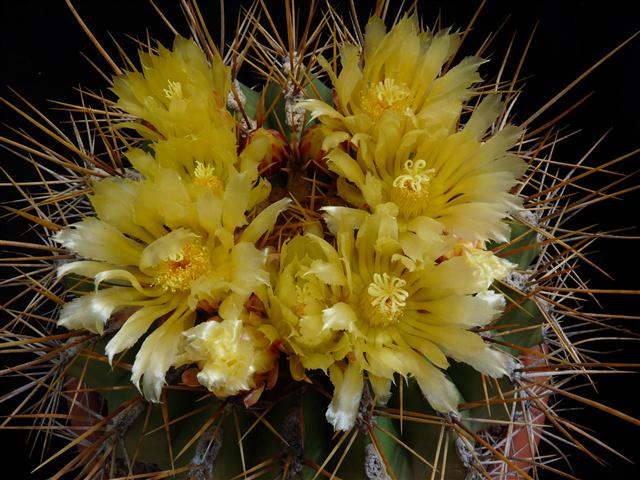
114,202
468,347
135,326
341,163
229,354
170,244
84,268
381,388
330,273
440,392
348,383
158,352
265,221
248,268
97,240
92,311
339,317
462,310
235,200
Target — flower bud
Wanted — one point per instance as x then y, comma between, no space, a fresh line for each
276,152
311,152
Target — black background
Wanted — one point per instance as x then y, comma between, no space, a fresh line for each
40,58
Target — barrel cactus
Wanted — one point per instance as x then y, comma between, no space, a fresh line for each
361,268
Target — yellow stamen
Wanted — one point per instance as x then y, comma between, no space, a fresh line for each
385,301
205,175
173,90
386,95
179,270
410,191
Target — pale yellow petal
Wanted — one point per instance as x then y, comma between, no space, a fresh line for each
319,109
264,221
236,197
343,218
96,240
232,305
381,388
91,311
440,392
348,383
330,273
135,326
259,193
429,349
248,268
126,277
113,201
466,311
229,354
339,317
468,347
210,212
341,163
164,247
158,352
84,268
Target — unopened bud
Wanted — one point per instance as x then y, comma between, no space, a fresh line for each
276,153
311,151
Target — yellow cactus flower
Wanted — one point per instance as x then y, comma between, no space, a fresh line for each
461,180
167,247
384,302
176,93
233,356
394,79
178,101
393,134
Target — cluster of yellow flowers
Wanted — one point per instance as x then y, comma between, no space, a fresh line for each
408,275
176,244
390,288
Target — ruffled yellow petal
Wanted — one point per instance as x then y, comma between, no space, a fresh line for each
381,388
167,247
158,352
339,317
440,392
471,272
91,311
136,325
96,240
469,348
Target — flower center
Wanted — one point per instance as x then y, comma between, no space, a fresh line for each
410,191
301,299
386,95
385,301
178,271
205,175
174,89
